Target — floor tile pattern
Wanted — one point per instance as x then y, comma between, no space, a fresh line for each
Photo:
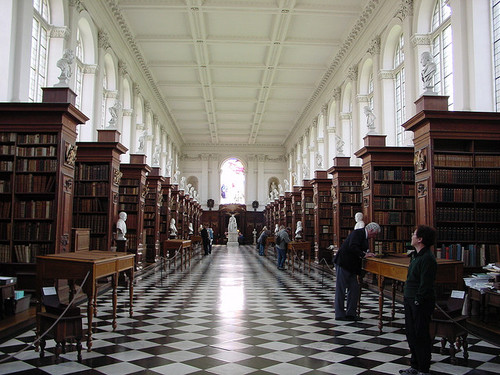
234,313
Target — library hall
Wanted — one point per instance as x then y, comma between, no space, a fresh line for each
236,187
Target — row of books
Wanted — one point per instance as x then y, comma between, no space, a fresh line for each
453,195
96,223
350,198
4,186
349,211
37,138
24,254
452,160
395,175
92,188
31,231
384,217
91,205
37,165
7,149
392,189
7,137
33,209
129,190
29,183
472,255
390,247
5,230
392,203
6,165
5,209
37,151
393,233
467,176
92,172
5,254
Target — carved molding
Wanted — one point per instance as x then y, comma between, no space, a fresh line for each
117,176
336,94
365,183
405,9
386,74
103,40
420,160
345,115
70,154
352,73
60,32
421,40
421,189
127,112
374,48
90,69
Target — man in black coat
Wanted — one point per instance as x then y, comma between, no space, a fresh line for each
205,238
348,265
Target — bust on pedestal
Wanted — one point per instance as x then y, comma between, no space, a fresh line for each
121,231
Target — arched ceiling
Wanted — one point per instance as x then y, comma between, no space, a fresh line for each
239,71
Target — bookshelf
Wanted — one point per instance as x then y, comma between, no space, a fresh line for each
296,208
457,164
346,197
133,191
174,203
306,194
182,225
152,207
97,179
37,159
323,216
281,211
166,193
287,208
388,184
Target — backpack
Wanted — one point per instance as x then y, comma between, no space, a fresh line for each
277,239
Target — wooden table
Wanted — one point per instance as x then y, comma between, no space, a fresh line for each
303,248
396,268
74,267
183,247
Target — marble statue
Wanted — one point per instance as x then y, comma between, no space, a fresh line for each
121,226
428,71
113,110
358,217
65,65
299,230
370,119
173,229
232,226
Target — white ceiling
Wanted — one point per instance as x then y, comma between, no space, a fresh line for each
237,71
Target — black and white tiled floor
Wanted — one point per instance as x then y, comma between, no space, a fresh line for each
234,313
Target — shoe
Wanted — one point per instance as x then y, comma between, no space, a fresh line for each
354,318
409,371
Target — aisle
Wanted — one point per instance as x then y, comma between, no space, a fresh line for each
235,313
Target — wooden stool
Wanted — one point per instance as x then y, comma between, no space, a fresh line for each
68,328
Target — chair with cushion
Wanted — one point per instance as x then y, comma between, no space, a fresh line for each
448,323
67,328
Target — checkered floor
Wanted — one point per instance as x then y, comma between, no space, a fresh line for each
234,313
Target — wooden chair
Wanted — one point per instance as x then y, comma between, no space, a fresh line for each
67,329
448,323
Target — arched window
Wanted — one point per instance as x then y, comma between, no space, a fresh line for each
232,182
370,91
79,69
103,102
496,47
39,49
442,50
399,90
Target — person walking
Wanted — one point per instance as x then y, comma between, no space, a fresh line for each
205,238
419,300
348,265
282,240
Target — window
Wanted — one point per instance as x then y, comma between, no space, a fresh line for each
232,182
399,90
103,103
496,49
39,47
370,91
79,70
442,50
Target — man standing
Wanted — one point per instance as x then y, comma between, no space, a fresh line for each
419,300
282,240
348,263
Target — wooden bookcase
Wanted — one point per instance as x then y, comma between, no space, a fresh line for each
37,160
457,164
323,216
296,208
287,208
306,193
133,191
166,194
152,208
281,211
346,197
174,213
182,225
388,183
97,178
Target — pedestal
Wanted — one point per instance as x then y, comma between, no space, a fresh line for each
232,239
